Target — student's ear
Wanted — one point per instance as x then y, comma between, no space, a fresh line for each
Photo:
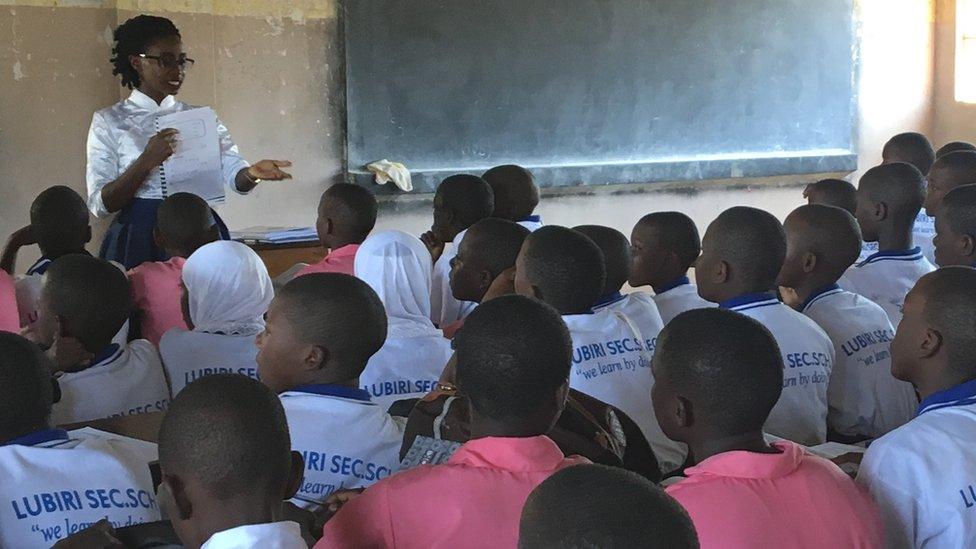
485,278
317,357
173,497
931,343
296,475
88,236
329,226
879,211
809,262
537,293
968,245
683,412
721,273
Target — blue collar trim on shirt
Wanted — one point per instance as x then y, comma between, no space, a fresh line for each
913,254
40,267
608,300
107,355
532,219
750,301
340,391
681,281
960,395
38,437
819,293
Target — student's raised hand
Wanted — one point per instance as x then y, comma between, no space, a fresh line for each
160,147
504,284
67,353
23,236
100,535
434,245
269,170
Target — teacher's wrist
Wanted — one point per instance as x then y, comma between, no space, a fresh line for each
245,181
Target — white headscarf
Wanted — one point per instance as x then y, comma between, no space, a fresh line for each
228,287
398,267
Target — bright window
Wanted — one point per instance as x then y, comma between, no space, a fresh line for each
966,51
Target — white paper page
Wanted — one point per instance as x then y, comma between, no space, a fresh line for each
195,166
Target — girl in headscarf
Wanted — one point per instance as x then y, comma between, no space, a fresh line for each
398,267
226,292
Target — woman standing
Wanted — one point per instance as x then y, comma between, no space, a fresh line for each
126,153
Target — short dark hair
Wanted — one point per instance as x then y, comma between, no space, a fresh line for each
954,146
185,221
838,193
950,299
498,242
832,234
92,293
616,254
588,506
727,362
59,220
961,166
512,354
753,241
900,186
134,37
677,233
25,387
468,196
229,432
566,268
911,147
516,194
959,209
352,207
338,312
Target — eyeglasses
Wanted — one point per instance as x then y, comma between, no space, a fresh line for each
182,62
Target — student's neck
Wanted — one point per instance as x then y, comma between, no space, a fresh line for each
335,242
661,281
895,238
709,445
155,95
53,254
228,514
812,283
483,427
738,290
949,379
326,378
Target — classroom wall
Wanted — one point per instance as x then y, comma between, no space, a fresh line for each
954,121
273,70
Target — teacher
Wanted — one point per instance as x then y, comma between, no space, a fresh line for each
126,153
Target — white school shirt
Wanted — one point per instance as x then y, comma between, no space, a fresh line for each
405,367
923,474
533,223
188,355
800,415
678,297
923,234
864,399
274,535
444,309
118,135
886,278
612,362
122,380
52,486
347,441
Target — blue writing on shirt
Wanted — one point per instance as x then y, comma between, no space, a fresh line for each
158,406
610,357
344,465
968,496
610,348
75,500
401,387
203,372
799,360
865,340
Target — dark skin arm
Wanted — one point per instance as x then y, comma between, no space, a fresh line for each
119,193
20,238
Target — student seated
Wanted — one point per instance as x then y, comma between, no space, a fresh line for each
84,302
226,291
864,400
346,216
719,374
664,245
611,358
513,361
955,228
227,465
459,202
832,192
183,224
397,266
588,506
742,253
488,249
53,484
921,473
950,171
9,316
322,329
911,148
516,195
954,146
59,226
888,199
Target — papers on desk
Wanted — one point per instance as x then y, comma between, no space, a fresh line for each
195,166
275,235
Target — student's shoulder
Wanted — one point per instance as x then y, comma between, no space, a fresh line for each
909,444
144,351
802,322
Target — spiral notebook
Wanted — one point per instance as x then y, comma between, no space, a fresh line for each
195,166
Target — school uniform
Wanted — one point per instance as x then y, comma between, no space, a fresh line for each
677,297
156,294
532,223
639,308
864,400
406,367
274,535
444,309
921,474
53,486
474,500
886,277
189,355
339,260
923,234
122,380
347,441
744,499
800,414
9,315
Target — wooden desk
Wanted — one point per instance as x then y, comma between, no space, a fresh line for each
278,258
140,426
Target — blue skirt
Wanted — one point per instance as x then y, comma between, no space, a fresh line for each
130,241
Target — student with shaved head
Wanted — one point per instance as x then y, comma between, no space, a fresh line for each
954,146
949,171
915,149
346,216
955,228
516,195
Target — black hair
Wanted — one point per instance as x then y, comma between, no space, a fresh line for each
954,146
831,233
91,294
59,221
352,207
961,167
513,353
565,267
950,299
590,506
229,432
899,186
185,221
959,209
26,393
753,241
838,193
516,194
616,254
498,242
338,312
468,197
728,364
133,37
676,233
911,147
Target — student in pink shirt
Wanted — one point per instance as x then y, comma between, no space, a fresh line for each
183,224
347,214
513,359
9,317
719,373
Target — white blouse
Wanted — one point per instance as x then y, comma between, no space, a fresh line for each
119,134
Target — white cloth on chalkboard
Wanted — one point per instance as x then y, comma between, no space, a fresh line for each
228,289
385,171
